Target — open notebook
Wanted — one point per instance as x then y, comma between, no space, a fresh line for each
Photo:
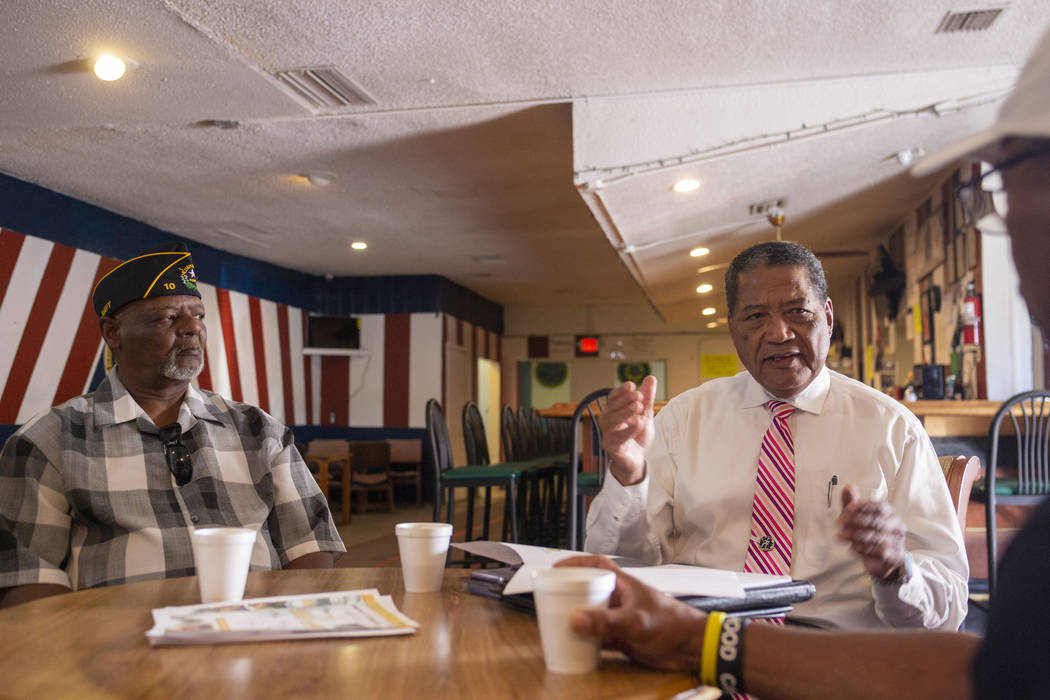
754,595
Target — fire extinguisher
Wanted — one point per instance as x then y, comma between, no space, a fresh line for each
971,317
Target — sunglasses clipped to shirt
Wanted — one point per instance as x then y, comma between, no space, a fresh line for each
176,453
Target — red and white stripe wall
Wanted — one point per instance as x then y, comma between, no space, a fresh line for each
50,347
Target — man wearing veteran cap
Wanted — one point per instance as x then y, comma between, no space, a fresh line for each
108,487
773,661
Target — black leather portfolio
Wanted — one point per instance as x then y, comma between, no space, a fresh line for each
760,601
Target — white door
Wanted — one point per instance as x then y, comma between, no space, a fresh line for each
457,393
489,403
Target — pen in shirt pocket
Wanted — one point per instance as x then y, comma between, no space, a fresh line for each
831,487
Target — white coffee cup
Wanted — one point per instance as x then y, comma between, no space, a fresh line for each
558,593
423,548
222,556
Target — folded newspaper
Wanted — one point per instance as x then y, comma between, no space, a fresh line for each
363,613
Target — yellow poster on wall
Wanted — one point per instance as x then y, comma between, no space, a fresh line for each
720,365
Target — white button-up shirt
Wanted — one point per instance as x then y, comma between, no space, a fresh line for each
694,506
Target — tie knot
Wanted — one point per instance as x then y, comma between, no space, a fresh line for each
780,409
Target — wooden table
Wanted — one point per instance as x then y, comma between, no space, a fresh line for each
941,418
92,644
323,472
566,409
946,418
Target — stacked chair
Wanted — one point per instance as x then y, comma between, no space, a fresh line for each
544,479
477,445
545,488
447,478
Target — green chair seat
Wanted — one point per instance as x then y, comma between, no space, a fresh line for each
486,472
1007,486
588,480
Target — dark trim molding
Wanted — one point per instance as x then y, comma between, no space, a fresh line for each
37,211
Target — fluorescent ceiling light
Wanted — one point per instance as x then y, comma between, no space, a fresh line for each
109,67
709,311
698,252
712,324
704,288
686,185
358,245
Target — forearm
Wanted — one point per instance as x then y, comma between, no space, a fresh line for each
783,663
935,598
314,560
17,595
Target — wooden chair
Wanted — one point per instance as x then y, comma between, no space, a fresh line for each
329,460
406,458
370,472
961,472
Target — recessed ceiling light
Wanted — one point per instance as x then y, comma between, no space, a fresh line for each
698,252
358,245
709,311
686,185
704,288
109,67
712,324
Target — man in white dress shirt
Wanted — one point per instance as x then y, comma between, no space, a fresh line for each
684,482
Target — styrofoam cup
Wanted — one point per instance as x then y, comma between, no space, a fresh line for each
423,548
558,593
222,556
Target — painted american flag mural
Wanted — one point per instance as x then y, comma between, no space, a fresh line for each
50,347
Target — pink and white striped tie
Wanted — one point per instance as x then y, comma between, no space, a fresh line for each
773,510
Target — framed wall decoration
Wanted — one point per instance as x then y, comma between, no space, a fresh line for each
960,265
945,218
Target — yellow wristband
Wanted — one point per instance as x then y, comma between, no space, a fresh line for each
709,653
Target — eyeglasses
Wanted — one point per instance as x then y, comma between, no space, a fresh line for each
176,453
975,196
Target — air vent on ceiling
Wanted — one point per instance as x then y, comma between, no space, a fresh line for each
324,87
970,21
766,207
488,259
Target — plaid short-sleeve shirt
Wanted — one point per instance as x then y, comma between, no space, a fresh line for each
87,499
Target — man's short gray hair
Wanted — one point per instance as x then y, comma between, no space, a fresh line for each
775,254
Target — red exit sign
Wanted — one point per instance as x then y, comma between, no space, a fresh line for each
586,346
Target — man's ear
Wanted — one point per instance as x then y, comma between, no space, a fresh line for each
830,312
109,327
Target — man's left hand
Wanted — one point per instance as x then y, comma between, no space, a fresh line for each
874,532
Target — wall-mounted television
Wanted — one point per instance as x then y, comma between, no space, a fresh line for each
332,333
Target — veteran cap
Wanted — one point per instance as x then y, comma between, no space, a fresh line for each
163,271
